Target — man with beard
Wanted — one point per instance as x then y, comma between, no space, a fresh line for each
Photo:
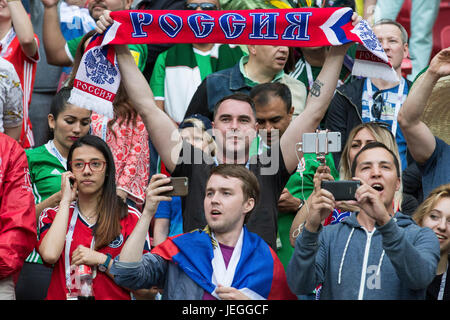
273,104
234,128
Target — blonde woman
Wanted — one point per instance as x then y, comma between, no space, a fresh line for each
360,136
434,213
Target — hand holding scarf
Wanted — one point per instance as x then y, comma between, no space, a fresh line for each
98,77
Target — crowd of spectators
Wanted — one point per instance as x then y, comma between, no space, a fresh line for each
80,189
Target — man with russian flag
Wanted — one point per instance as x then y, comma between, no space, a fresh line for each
223,261
234,129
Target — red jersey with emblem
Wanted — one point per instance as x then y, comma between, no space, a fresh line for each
26,70
103,286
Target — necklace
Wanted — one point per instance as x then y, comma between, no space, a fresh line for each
87,217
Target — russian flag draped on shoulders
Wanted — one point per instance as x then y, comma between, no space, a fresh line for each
254,268
98,77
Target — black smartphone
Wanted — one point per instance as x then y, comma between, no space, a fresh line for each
180,187
72,181
341,190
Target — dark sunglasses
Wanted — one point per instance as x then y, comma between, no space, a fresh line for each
203,6
383,125
378,103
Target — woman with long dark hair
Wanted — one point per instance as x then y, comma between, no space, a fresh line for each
90,224
66,123
127,137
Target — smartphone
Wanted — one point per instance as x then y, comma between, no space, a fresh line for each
321,142
341,190
180,187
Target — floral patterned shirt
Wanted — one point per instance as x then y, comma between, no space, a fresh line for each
130,149
11,107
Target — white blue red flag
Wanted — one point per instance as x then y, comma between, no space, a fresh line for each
254,268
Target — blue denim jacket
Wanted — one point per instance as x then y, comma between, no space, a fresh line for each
223,83
153,270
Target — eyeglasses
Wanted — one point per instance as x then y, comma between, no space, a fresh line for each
203,6
378,103
94,165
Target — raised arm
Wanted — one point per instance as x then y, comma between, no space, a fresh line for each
161,129
132,269
419,138
133,247
317,102
23,28
316,105
54,42
53,240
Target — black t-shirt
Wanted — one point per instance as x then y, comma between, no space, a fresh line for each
433,288
271,178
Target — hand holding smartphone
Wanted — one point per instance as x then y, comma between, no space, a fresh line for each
341,190
180,187
69,186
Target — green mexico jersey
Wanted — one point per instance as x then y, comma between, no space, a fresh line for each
46,166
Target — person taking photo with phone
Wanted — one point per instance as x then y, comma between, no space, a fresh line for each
360,136
234,129
90,225
222,261
375,253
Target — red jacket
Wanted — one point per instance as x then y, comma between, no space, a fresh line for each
17,210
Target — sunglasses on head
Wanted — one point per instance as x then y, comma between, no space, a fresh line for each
383,125
203,6
378,103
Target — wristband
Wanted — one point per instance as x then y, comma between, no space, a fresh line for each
302,203
103,267
299,230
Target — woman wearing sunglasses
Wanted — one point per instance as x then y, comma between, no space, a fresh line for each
89,226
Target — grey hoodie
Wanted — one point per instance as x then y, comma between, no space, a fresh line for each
395,261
